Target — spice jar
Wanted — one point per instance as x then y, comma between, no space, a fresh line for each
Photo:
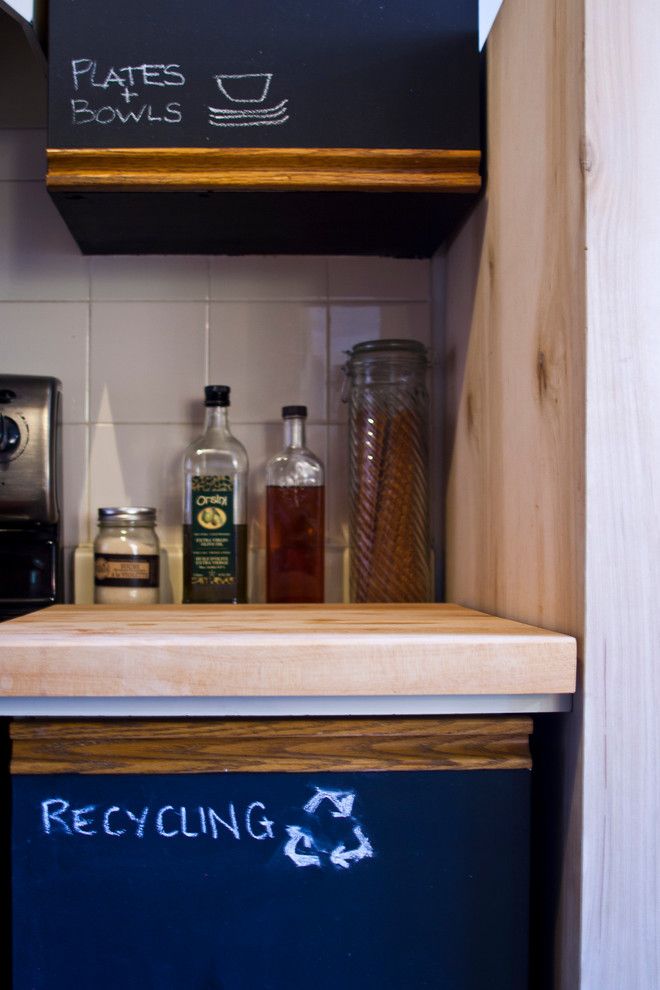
389,476
126,557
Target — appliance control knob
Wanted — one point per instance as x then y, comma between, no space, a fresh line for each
10,435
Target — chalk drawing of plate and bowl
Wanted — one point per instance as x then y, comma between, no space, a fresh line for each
243,92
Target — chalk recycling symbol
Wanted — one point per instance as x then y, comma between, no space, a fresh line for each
306,850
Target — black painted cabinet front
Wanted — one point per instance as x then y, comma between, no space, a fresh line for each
365,881
265,76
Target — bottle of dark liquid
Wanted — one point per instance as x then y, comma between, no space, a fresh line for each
215,471
295,517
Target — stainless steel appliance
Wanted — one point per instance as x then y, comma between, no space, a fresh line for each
30,458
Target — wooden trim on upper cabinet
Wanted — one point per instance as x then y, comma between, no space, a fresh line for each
263,169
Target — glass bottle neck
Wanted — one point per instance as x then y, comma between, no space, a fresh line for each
217,418
294,431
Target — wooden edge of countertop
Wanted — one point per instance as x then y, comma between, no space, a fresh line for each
113,746
263,169
270,651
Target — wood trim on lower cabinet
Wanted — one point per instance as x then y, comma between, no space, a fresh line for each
263,169
109,746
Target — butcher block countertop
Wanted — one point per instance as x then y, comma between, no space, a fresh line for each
273,659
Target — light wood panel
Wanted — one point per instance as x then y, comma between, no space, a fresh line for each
256,745
273,169
515,360
515,335
275,650
563,259
621,839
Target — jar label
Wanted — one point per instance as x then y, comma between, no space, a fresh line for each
213,551
123,570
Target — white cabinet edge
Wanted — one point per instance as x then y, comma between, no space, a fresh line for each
522,704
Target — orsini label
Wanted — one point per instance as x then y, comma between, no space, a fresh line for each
213,550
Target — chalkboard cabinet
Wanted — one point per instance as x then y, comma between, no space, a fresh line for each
350,126
280,842
371,854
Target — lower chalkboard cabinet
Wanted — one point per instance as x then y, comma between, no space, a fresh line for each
272,880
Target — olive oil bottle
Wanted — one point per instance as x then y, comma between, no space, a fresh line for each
215,473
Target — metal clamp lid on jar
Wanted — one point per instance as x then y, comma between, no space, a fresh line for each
136,515
388,346
380,356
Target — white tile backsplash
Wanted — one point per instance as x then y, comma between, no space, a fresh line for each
378,278
49,339
256,575
337,488
261,440
22,154
271,354
151,278
75,508
39,259
134,339
269,278
140,464
148,361
336,574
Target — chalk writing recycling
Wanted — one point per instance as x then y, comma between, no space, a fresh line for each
306,844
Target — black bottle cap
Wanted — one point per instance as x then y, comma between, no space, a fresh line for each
216,395
288,411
